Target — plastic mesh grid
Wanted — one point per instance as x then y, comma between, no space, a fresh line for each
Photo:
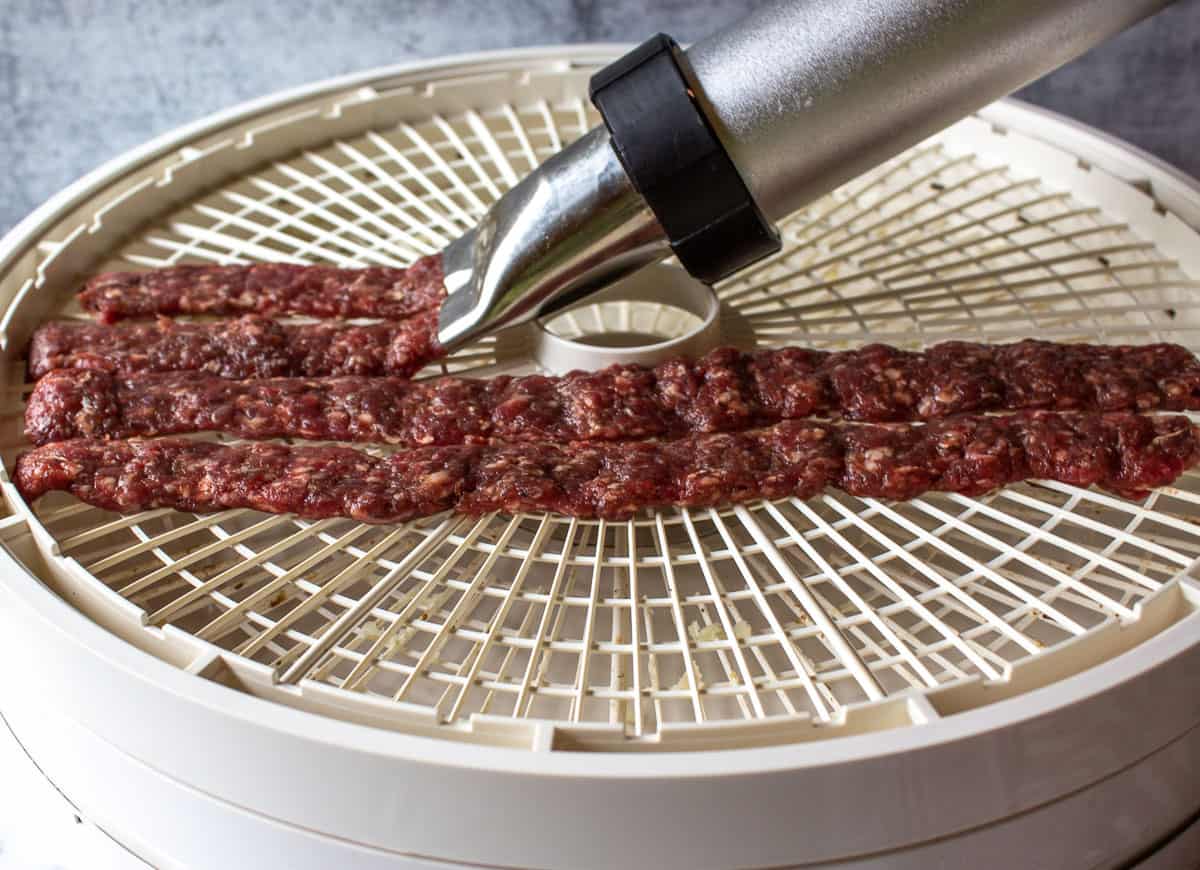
787,609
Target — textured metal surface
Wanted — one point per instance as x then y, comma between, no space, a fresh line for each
808,94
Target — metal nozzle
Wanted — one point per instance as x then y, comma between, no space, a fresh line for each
798,97
574,225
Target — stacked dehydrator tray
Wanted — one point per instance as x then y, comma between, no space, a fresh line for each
1007,680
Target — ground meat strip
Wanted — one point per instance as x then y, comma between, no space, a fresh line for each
245,347
267,288
75,403
726,391
1126,453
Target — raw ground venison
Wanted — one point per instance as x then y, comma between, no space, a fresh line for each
267,288
245,347
724,391
1125,453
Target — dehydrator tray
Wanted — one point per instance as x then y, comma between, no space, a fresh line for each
731,645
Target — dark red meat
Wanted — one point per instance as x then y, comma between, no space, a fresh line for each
246,347
74,403
267,288
1126,453
726,391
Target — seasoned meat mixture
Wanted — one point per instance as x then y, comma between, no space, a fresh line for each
1125,453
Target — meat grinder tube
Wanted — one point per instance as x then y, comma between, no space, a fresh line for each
808,94
803,95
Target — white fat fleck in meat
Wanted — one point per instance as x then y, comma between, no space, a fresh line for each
441,480
875,457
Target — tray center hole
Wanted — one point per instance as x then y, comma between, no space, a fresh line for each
623,323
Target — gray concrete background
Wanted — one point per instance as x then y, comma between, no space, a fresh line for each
84,80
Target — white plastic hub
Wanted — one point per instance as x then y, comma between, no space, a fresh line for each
659,313
740,687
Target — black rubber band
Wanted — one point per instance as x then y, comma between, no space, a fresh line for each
673,157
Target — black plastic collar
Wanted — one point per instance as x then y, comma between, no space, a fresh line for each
675,160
